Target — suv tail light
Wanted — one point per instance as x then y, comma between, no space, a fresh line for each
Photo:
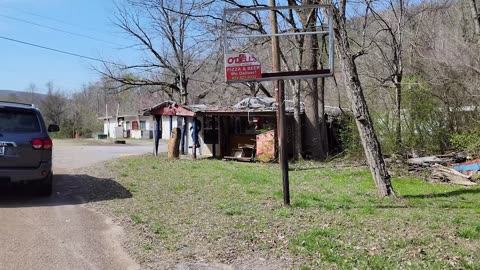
47,144
42,143
37,143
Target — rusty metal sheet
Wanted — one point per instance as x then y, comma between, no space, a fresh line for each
266,146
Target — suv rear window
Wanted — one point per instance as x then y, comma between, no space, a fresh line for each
18,121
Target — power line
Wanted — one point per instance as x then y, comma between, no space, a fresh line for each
49,18
58,51
58,29
82,56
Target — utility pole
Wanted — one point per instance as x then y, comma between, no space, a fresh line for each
108,120
279,87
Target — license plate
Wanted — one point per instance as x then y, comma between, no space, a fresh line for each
2,150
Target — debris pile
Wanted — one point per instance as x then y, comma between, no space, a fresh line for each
442,171
444,174
423,163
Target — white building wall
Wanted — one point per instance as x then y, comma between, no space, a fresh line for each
109,128
203,150
189,140
166,125
105,127
188,136
149,122
136,134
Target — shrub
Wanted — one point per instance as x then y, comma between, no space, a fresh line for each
349,137
468,141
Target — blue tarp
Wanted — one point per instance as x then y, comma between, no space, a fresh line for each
475,167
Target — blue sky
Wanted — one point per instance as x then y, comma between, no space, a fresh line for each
22,64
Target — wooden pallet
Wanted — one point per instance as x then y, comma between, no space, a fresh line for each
245,154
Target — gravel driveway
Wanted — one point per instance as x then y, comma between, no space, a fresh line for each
59,232
69,155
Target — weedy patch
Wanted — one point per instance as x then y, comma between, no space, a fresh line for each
321,241
161,230
469,232
215,211
284,212
233,208
136,219
147,246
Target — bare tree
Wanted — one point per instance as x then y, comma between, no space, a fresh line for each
174,43
256,88
363,120
31,89
54,105
309,49
445,52
386,33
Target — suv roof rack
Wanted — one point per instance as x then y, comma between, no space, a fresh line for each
17,104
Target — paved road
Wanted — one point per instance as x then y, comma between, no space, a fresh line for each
59,232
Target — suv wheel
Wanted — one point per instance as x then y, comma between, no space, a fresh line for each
46,186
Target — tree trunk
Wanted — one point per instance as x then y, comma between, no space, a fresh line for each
313,138
183,97
183,90
254,88
313,142
322,118
398,111
297,116
475,17
364,123
321,97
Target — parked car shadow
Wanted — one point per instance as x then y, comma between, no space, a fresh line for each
68,189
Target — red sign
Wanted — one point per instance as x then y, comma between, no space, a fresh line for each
242,66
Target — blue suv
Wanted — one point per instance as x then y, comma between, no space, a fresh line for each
25,147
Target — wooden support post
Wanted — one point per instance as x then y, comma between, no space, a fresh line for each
214,131
194,137
157,134
279,87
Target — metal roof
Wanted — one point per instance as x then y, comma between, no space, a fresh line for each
248,106
121,116
202,109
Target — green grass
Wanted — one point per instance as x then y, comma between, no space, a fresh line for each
136,219
469,232
221,210
147,246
